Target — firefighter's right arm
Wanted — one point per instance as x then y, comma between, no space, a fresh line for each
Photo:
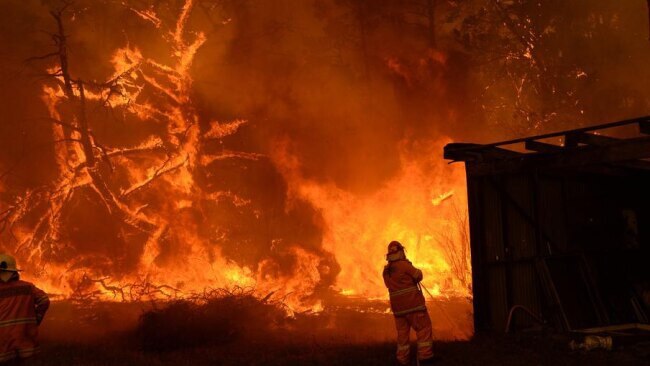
42,303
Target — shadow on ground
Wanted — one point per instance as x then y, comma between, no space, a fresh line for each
104,334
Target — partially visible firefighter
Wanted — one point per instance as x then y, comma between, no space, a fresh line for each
407,303
22,308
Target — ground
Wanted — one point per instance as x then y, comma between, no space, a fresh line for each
481,351
102,336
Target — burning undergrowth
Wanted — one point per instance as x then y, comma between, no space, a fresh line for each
166,205
158,183
152,194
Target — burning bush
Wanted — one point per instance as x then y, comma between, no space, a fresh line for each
216,317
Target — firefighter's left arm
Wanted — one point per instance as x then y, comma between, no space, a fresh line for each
42,303
415,273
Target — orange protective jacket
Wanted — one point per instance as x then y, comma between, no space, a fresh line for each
401,279
22,308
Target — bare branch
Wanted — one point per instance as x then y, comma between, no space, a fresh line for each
136,150
43,57
162,170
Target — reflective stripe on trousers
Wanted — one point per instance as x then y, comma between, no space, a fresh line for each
402,354
19,353
421,324
6,356
28,352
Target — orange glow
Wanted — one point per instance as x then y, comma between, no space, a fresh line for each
418,207
421,206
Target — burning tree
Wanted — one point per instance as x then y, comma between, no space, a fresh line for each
540,62
139,209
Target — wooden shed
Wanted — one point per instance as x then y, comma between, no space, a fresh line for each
560,228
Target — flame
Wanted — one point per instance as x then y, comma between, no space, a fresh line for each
408,209
162,165
151,187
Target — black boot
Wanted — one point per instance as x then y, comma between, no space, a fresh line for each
428,361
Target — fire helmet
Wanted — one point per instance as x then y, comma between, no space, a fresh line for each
7,267
394,247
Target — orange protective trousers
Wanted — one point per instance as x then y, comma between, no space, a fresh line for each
421,324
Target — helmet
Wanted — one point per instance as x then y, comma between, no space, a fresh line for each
395,251
7,267
394,247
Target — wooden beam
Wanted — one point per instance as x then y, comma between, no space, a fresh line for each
642,121
475,152
571,140
542,147
570,136
592,139
644,127
583,156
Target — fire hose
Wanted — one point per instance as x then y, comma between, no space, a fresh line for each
442,310
425,289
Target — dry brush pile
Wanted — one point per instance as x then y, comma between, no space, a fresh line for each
214,317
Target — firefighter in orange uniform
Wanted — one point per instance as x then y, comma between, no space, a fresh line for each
22,308
407,304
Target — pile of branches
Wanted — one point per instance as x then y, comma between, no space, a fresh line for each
213,317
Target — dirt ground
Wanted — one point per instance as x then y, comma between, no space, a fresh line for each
483,350
103,335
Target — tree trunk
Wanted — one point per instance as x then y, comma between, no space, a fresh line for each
83,128
431,15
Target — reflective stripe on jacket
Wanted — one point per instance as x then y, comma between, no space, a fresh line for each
22,308
401,279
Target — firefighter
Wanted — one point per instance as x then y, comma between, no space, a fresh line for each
407,303
22,308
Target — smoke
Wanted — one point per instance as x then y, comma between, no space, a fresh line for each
316,74
352,92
